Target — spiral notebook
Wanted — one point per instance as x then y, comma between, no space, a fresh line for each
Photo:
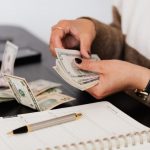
102,127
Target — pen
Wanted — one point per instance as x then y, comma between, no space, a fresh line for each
46,123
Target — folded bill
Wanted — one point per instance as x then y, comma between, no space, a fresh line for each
66,68
6,95
40,86
48,99
8,60
37,87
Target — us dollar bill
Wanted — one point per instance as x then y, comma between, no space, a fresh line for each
66,61
66,68
8,60
6,95
45,100
38,87
22,91
49,101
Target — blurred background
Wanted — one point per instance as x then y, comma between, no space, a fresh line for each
37,16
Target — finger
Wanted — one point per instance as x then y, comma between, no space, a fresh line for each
88,65
98,95
51,48
85,46
56,40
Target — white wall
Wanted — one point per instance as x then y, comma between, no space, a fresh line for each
39,15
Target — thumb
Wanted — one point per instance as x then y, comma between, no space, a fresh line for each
88,65
85,46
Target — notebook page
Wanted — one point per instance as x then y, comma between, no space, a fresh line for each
3,146
146,146
18,142
99,120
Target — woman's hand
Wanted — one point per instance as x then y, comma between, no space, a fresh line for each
73,33
115,76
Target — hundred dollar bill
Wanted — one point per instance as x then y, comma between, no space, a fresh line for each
82,86
51,91
8,60
22,91
38,87
66,61
66,68
6,95
49,101
25,96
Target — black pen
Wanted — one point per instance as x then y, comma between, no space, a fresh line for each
46,123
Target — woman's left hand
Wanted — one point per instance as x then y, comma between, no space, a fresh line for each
115,76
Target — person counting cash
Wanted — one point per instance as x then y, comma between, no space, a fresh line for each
123,47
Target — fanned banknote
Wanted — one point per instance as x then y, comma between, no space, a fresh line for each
38,87
66,68
8,60
24,95
49,101
6,95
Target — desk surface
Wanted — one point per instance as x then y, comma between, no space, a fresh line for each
43,70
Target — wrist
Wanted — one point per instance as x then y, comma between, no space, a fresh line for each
141,82
143,93
140,78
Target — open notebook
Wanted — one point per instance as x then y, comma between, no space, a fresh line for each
103,126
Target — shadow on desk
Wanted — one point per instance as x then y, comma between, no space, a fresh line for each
43,70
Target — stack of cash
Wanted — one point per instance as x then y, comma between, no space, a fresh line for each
66,68
39,94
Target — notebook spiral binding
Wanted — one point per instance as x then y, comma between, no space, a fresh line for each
121,141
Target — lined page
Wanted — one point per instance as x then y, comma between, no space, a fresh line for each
99,120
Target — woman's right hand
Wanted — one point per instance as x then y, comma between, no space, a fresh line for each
115,76
73,33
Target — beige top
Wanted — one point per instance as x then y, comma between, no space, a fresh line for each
135,23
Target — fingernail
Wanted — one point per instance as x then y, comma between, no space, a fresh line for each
78,60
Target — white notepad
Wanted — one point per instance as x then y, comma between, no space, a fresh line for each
103,126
